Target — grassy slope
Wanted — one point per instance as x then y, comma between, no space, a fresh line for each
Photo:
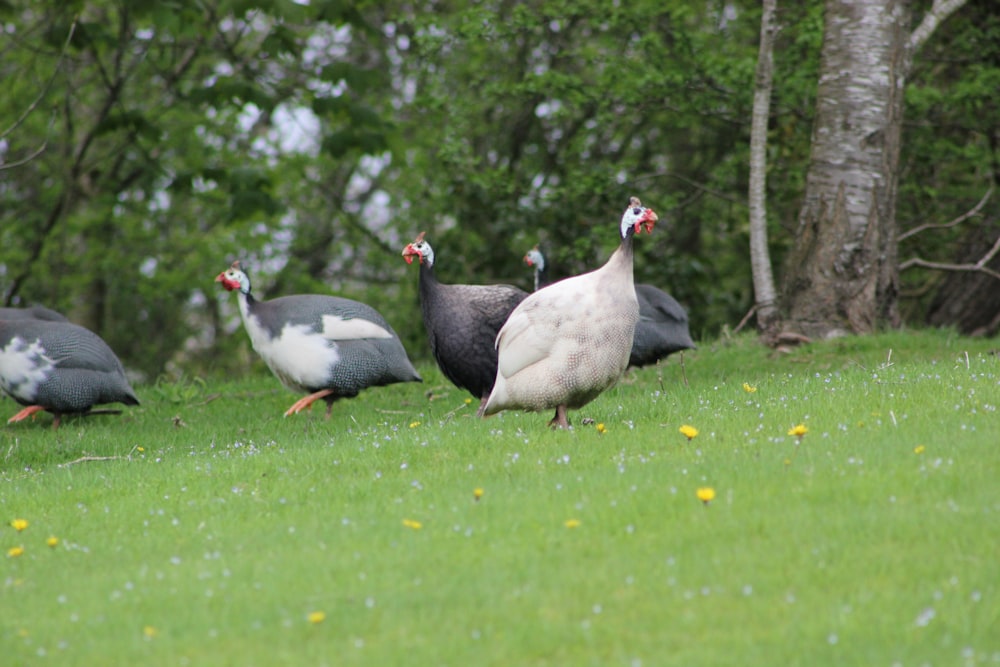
213,544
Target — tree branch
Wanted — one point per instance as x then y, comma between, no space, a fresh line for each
960,219
48,84
939,12
979,266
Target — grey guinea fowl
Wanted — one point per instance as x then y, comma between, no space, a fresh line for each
462,322
663,323
32,313
59,367
568,342
327,346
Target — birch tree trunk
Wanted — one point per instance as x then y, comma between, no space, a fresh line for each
842,274
765,294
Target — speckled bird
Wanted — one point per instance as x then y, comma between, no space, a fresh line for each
59,367
326,346
662,329
32,313
568,342
462,322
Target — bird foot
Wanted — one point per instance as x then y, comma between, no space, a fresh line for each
482,406
560,420
307,401
25,413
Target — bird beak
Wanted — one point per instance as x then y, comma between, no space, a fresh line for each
221,277
647,221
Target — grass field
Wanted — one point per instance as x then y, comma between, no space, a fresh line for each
203,528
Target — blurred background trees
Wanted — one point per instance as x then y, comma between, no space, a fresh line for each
145,145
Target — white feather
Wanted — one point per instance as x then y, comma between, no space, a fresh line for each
23,367
353,328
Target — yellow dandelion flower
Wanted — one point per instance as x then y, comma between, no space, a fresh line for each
601,428
410,523
19,524
688,431
572,523
149,632
477,493
414,424
14,552
140,449
798,430
315,617
749,388
919,449
53,541
706,494
468,401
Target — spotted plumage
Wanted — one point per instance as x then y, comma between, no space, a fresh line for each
329,347
32,313
462,322
59,367
663,323
568,342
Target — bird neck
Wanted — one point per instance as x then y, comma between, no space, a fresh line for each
428,279
247,303
625,247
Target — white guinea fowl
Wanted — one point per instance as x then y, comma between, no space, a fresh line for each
568,342
329,347
59,367
663,323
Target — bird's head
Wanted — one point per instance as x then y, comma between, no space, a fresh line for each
420,249
234,278
637,217
535,258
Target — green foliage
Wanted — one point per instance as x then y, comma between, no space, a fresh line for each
950,149
146,145
213,530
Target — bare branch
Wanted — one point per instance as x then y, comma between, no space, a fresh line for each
26,160
939,12
34,104
960,219
48,84
694,184
979,267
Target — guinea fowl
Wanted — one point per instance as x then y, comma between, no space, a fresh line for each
328,346
59,367
663,323
462,322
32,313
568,342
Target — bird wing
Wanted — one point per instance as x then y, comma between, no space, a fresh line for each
525,339
341,327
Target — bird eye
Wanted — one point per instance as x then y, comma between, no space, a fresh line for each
636,211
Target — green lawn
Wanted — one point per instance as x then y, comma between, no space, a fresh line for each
217,527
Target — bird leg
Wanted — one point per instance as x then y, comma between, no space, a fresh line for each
25,413
482,406
559,421
305,402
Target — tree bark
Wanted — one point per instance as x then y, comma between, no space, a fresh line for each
765,294
842,274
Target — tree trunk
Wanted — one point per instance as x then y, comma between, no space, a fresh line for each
765,294
842,274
